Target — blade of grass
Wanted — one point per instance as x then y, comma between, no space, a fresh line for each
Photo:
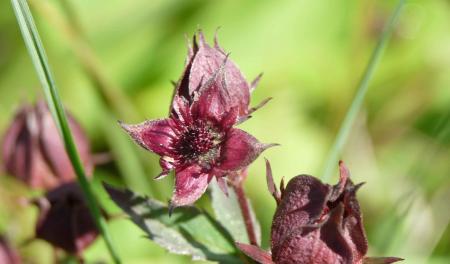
122,148
39,58
344,130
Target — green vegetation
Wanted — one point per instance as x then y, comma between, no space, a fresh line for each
115,60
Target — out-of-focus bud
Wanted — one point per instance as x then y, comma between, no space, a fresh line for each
65,220
7,254
33,151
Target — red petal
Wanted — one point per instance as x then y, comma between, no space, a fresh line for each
206,62
240,149
256,253
230,119
190,184
154,135
180,108
212,100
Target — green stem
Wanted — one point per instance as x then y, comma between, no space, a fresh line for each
39,58
344,131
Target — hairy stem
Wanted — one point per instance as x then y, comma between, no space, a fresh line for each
245,209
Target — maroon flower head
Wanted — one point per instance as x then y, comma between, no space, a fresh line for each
7,254
33,152
198,140
316,223
65,220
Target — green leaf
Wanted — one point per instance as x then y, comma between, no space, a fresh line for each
228,213
188,231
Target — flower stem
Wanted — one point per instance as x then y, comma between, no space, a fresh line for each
243,204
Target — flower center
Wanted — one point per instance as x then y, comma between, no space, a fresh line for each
200,143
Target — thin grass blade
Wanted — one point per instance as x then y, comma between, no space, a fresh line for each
39,58
115,103
344,131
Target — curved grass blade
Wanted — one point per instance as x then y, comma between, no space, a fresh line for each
344,130
39,58
123,150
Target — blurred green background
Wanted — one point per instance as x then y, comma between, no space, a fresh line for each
115,59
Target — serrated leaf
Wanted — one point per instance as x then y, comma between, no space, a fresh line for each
188,231
228,213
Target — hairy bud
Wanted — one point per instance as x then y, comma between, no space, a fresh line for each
316,223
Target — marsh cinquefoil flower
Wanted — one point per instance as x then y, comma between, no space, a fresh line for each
198,140
316,223
33,151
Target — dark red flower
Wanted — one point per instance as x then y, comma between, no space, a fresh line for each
316,223
33,152
198,140
65,220
7,254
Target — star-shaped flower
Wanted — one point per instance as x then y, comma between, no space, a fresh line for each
198,140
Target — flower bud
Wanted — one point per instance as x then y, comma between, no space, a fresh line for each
316,223
65,220
33,152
